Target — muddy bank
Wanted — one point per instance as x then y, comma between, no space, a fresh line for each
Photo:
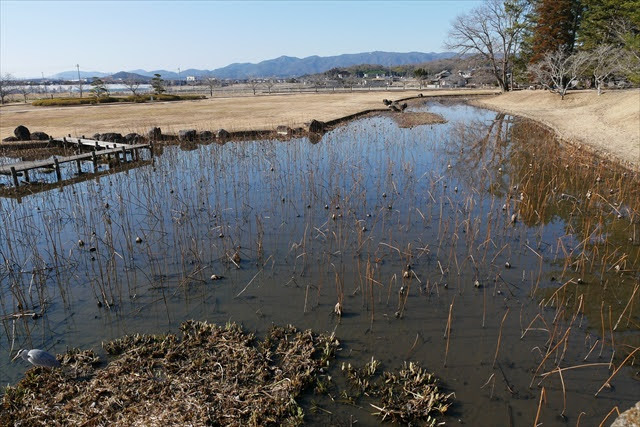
606,124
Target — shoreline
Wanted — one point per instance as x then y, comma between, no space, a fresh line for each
606,125
603,125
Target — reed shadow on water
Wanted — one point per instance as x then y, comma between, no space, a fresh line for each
485,250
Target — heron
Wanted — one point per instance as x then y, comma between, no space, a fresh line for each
38,358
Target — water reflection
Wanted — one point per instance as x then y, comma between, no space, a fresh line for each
408,229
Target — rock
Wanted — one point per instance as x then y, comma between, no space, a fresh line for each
111,137
22,133
629,418
10,139
205,135
283,130
155,134
394,108
39,136
222,134
316,126
96,136
386,102
132,138
403,107
420,95
187,135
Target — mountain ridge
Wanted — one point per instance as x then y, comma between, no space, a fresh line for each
283,66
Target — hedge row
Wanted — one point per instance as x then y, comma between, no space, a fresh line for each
106,100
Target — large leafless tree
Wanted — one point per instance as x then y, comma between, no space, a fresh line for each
211,82
558,71
494,31
6,86
605,61
132,84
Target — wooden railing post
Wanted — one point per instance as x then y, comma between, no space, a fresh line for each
14,175
57,166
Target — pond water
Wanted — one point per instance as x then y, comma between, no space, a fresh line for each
480,248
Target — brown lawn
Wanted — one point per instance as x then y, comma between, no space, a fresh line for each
234,113
608,124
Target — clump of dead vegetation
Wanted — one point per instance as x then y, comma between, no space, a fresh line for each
407,395
413,119
211,375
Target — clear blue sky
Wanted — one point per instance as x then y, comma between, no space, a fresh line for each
52,36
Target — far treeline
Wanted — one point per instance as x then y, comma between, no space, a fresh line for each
552,43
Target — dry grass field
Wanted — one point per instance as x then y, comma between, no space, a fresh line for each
608,124
232,114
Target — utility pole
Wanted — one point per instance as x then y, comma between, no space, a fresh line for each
79,81
179,80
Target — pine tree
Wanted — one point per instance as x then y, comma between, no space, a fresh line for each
556,26
157,83
600,19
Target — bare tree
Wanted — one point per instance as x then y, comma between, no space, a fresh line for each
558,71
132,84
627,35
494,31
605,60
212,83
269,83
254,83
6,86
24,89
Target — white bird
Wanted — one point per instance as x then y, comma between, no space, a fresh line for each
38,358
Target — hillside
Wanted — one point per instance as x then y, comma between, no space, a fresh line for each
284,66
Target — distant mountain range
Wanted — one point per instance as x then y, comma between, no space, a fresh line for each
282,67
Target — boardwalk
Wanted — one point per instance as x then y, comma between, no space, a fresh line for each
98,149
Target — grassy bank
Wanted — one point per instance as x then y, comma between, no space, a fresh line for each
606,124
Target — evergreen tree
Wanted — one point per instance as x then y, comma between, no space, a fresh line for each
98,88
157,83
599,24
556,26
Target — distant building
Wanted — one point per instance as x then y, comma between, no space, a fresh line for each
191,79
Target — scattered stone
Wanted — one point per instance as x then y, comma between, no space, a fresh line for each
386,102
132,138
205,135
316,126
138,239
111,137
216,277
155,134
39,136
187,135
22,133
10,139
222,134
283,130
629,418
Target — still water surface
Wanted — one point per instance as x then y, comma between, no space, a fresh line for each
296,227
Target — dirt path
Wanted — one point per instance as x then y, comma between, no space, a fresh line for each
232,114
608,124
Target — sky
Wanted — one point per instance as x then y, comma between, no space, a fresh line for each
46,37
